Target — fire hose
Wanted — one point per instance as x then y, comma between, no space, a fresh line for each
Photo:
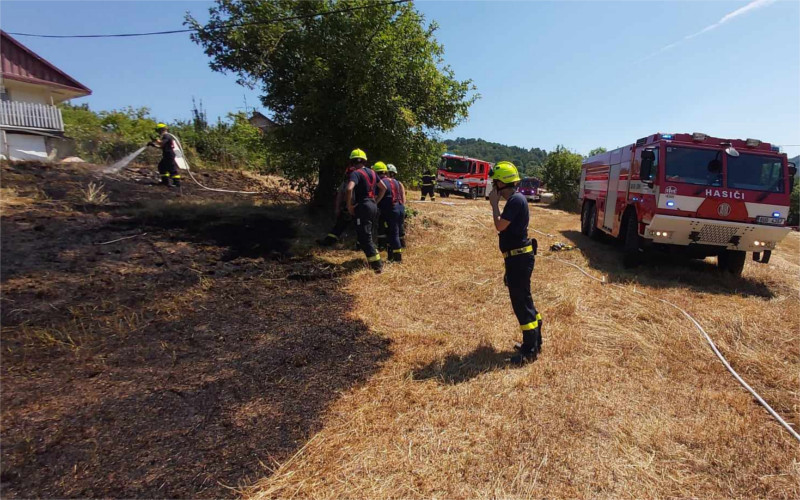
700,328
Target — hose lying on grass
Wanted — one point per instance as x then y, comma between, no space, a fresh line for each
699,328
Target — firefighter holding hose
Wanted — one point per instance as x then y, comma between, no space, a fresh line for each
519,255
167,167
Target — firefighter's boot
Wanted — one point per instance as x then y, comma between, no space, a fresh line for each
398,255
376,266
529,349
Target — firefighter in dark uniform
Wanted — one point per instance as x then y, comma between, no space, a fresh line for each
343,217
519,254
428,185
167,167
393,174
389,206
362,188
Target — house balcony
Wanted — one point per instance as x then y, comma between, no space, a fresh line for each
16,115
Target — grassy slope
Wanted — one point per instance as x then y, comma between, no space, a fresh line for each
627,399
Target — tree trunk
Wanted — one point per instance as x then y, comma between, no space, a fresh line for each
325,192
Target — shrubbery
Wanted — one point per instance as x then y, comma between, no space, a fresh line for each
106,136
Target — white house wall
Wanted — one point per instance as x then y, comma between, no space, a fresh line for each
27,93
24,147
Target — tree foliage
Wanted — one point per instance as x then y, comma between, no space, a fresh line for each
106,136
528,161
562,173
597,151
372,78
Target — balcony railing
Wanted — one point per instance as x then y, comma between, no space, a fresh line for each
30,115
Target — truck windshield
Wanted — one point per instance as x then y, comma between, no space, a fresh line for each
756,172
455,165
694,166
529,183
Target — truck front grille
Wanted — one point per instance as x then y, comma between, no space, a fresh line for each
711,233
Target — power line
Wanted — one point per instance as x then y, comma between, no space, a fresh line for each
221,27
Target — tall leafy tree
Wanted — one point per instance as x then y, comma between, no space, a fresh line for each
372,78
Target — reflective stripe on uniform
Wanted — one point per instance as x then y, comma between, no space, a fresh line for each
538,317
530,326
374,258
165,175
518,251
331,235
176,176
398,250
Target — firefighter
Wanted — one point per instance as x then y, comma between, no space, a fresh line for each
428,185
393,174
362,188
519,254
167,167
389,206
343,217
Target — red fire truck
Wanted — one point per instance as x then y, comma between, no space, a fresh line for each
699,195
463,175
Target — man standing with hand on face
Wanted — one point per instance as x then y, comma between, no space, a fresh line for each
519,254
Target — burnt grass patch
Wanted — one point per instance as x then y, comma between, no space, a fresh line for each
244,230
184,363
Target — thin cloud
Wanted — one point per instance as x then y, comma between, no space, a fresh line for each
755,4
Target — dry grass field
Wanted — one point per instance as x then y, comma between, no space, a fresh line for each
222,354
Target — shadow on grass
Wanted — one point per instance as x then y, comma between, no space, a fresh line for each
194,374
455,368
664,270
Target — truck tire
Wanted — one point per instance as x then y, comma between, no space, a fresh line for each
585,220
631,243
731,261
594,232
473,194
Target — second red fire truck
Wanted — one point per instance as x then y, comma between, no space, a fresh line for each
462,175
700,195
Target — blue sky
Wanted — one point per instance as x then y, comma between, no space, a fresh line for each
582,74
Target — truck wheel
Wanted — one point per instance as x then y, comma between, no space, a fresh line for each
631,244
731,261
585,220
473,194
594,232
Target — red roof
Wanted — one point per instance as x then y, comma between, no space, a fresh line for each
18,62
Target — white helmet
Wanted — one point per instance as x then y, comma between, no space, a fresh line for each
391,168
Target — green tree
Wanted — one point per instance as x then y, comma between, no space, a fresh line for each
597,151
561,174
372,78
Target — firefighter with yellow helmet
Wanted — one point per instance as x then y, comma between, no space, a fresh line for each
519,255
358,159
167,167
363,187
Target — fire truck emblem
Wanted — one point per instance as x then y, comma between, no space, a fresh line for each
724,210
671,190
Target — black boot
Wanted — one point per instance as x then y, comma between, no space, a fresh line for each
376,266
398,256
327,241
527,351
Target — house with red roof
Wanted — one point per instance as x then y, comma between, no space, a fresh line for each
30,89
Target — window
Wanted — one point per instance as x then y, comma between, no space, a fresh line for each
4,97
694,166
756,172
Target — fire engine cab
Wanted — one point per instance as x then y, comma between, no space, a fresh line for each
463,175
700,195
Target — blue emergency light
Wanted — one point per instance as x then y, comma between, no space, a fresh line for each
666,136
776,214
670,203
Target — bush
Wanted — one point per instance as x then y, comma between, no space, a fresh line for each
794,206
561,174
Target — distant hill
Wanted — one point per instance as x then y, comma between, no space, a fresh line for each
529,161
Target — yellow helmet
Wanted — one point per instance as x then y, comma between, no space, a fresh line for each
380,167
358,154
505,172
161,126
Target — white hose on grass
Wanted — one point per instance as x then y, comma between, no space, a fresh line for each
699,327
